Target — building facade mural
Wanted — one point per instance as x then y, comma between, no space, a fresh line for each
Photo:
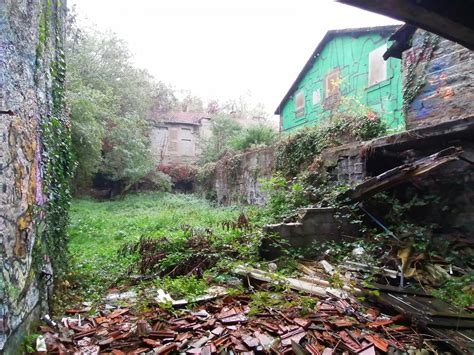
347,66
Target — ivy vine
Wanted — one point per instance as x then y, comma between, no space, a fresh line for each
300,149
57,158
416,74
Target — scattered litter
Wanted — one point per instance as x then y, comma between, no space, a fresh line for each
161,296
358,252
47,319
41,343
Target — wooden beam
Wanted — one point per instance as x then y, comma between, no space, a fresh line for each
447,19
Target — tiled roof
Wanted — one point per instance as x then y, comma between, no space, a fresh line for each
193,118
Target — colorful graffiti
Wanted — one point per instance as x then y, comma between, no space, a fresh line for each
442,80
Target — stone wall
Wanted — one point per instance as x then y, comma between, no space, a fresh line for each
29,30
438,80
235,178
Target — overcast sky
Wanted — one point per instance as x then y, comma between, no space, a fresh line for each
224,48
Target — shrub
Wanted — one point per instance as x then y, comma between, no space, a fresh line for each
253,136
301,148
284,197
157,181
223,130
183,173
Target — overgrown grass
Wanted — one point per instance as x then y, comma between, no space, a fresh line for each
98,230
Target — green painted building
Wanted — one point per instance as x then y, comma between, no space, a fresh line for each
346,69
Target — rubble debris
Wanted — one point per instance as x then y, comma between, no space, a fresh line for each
196,250
311,286
357,266
327,267
419,308
312,276
41,344
334,324
434,317
338,323
160,296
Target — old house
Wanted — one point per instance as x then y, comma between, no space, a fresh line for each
175,137
347,65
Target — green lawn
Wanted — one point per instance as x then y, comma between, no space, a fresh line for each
99,229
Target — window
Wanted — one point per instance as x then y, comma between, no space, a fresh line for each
173,146
173,133
299,103
316,97
186,133
377,66
186,142
332,83
173,136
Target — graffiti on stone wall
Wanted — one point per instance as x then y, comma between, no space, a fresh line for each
436,85
439,86
416,55
19,194
24,96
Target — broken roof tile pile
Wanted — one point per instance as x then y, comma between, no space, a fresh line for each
335,325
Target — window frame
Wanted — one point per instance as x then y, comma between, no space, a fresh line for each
370,72
329,76
300,110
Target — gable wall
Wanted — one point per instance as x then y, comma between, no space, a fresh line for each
351,56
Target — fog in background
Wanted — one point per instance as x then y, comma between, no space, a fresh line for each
224,48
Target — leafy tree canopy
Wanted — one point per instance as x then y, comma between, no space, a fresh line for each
110,102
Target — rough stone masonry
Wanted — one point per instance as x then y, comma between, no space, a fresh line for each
28,37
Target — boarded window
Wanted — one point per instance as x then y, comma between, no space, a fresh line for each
299,103
173,140
187,142
332,83
173,146
186,133
187,147
377,66
173,133
316,97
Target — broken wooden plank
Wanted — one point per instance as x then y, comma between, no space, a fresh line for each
356,266
404,172
296,284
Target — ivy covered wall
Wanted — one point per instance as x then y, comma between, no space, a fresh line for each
35,160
